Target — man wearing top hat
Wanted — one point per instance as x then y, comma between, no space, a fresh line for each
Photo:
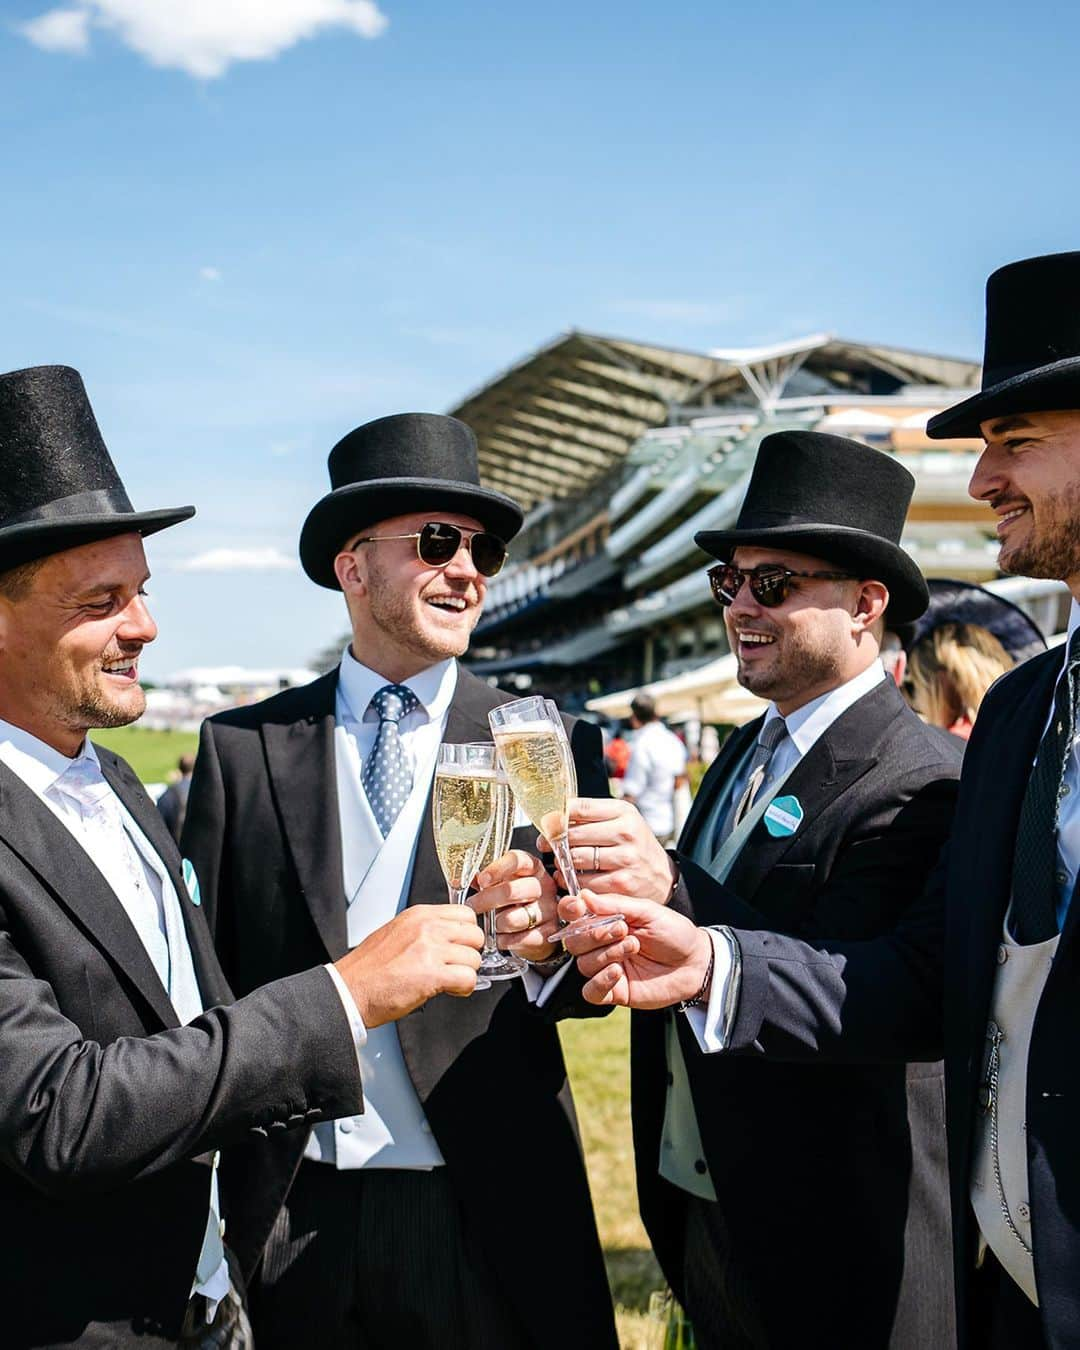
124,1063
996,936
408,1225
792,1204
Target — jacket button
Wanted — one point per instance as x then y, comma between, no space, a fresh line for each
700,1167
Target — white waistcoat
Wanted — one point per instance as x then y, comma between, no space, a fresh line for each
1000,1194
377,873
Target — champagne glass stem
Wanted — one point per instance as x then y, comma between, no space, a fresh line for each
491,941
457,894
566,864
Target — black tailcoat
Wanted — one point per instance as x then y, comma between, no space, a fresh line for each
105,1100
885,998
263,831
831,1179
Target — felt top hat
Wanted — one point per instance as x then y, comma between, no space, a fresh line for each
835,499
392,467
963,602
1031,362
58,486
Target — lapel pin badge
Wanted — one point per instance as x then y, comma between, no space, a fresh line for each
783,816
191,881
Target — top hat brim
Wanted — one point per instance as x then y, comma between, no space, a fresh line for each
1045,389
349,509
867,554
29,540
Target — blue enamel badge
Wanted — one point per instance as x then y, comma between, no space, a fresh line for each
783,816
191,881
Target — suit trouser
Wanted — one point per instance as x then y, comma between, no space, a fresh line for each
375,1259
719,1298
1002,1315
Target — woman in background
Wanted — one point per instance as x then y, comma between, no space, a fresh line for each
948,672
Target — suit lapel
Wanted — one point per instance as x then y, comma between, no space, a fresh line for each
124,782
992,795
837,759
300,760
717,782
52,853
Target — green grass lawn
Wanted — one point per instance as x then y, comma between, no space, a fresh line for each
152,754
598,1057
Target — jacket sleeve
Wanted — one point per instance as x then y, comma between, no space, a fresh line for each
77,1116
873,1000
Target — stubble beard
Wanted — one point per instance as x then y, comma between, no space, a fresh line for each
1052,550
394,614
800,665
91,708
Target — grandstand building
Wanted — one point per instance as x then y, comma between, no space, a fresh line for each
623,451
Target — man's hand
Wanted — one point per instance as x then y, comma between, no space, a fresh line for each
615,853
652,958
423,951
524,897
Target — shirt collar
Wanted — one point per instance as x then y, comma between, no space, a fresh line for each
813,719
37,764
434,687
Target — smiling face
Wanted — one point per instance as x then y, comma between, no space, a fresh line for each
824,634
1029,473
70,643
406,614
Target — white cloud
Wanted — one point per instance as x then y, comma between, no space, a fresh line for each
59,30
203,37
238,560
679,311
210,273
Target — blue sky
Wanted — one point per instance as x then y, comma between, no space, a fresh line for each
254,227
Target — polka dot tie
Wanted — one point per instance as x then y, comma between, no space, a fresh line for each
387,773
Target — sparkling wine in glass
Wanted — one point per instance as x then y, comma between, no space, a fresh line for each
496,964
534,752
463,810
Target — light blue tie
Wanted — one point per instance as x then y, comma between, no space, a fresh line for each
387,774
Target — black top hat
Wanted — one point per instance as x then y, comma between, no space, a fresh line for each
835,499
1031,362
58,486
964,602
394,466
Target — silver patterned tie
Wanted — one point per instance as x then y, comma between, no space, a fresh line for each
387,774
769,737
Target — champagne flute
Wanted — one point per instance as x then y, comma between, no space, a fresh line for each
463,808
496,964
534,752
553,714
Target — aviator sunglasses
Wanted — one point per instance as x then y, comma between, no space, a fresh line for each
770,583
437,543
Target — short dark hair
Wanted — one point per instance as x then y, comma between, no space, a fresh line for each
15,583
187,763
643,706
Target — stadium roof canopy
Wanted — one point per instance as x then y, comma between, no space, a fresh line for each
570,411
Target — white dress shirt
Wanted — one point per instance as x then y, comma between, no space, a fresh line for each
150,902
805,726
658,757
393,1131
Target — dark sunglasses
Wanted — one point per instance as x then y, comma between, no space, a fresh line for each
437,543
770,584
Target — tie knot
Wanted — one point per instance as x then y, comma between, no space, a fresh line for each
84,783
772,733
394,701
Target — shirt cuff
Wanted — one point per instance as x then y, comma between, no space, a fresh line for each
712,1024
352,1012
